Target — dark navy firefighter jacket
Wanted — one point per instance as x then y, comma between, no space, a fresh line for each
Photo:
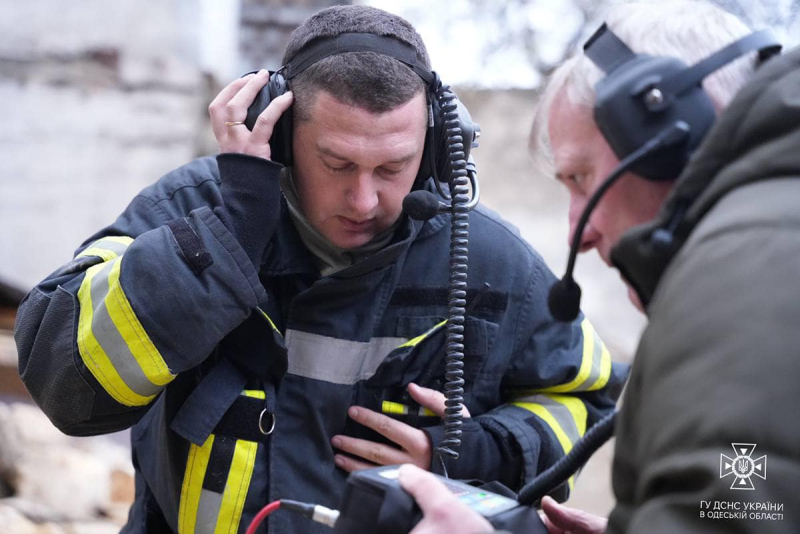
235,378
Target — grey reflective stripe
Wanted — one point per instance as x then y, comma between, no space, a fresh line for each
337,360
208,512
110,340
597,360
559,412
108,244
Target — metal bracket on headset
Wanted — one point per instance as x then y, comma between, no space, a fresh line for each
606,50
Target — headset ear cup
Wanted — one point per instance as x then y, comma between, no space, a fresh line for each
260,103
469,130
627,123
281,141
433,136
643,96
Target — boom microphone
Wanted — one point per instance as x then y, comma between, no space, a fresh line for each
421,205
564,299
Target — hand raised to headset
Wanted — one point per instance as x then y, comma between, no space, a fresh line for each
415,446
229,110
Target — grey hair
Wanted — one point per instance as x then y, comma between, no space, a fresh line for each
688,30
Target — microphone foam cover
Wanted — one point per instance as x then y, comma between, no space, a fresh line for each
421,205
564,300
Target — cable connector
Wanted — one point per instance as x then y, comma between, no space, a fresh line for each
315,512
324,515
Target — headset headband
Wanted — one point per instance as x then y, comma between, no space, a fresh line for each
763,41
608,52
356,42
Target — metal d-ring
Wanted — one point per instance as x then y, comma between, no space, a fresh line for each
261,422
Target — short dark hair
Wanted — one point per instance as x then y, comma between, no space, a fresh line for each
368,80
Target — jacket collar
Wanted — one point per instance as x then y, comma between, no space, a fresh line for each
287,255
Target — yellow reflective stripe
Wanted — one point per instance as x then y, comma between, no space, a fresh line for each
105,255
132,331
196,466
586,362
397,408
238,482
590,338
605,369
93,355
264,314
544,414
236,487
415,341
394,408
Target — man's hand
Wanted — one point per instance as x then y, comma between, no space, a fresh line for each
229,110
442,512
415,447
564,520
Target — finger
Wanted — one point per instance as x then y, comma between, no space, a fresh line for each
433,400
216,110
426,489
230,90
404,435
549,526
350,464
377,453
570,519
265,124
557,515
236,108
442,510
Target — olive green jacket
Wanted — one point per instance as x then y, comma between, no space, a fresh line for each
708,438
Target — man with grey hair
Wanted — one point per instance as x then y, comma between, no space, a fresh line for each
267,329
711,256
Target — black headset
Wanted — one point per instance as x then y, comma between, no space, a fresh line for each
434,161
641,95
654,113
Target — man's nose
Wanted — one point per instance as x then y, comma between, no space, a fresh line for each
363,195
589,236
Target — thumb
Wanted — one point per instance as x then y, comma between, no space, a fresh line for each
571,519
424,487
432,399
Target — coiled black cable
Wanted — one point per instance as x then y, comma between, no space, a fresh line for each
458,182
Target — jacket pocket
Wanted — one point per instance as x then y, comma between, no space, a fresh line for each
428,359
421,360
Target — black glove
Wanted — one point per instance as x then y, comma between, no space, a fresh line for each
251,198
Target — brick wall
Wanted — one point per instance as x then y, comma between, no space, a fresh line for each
98,99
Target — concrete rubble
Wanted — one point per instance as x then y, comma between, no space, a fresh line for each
51,483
